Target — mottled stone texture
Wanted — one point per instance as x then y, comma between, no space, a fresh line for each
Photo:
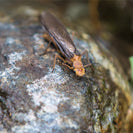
35,100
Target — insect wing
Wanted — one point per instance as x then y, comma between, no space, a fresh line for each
55,28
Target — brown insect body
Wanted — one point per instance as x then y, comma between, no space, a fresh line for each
62,40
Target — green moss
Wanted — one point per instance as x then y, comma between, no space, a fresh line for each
103,118
131,63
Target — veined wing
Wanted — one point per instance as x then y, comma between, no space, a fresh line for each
56,29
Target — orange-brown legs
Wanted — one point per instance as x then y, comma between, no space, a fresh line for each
47,36
51,40
46,48
85,52
73,34
87,65
57,56
64,61
67,66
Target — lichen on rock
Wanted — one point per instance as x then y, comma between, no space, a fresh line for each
33,99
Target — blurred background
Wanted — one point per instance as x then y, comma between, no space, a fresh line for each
109,21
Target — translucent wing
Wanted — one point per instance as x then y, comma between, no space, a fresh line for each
55,28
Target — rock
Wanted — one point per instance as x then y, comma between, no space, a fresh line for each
35,100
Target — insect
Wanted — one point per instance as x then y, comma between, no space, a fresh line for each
58,35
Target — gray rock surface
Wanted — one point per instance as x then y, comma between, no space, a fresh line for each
35,100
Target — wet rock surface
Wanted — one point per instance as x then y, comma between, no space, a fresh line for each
35,100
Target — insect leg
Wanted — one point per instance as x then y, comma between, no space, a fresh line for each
73,34
67,66
57,56
47,36
85,52
46,48
87,65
